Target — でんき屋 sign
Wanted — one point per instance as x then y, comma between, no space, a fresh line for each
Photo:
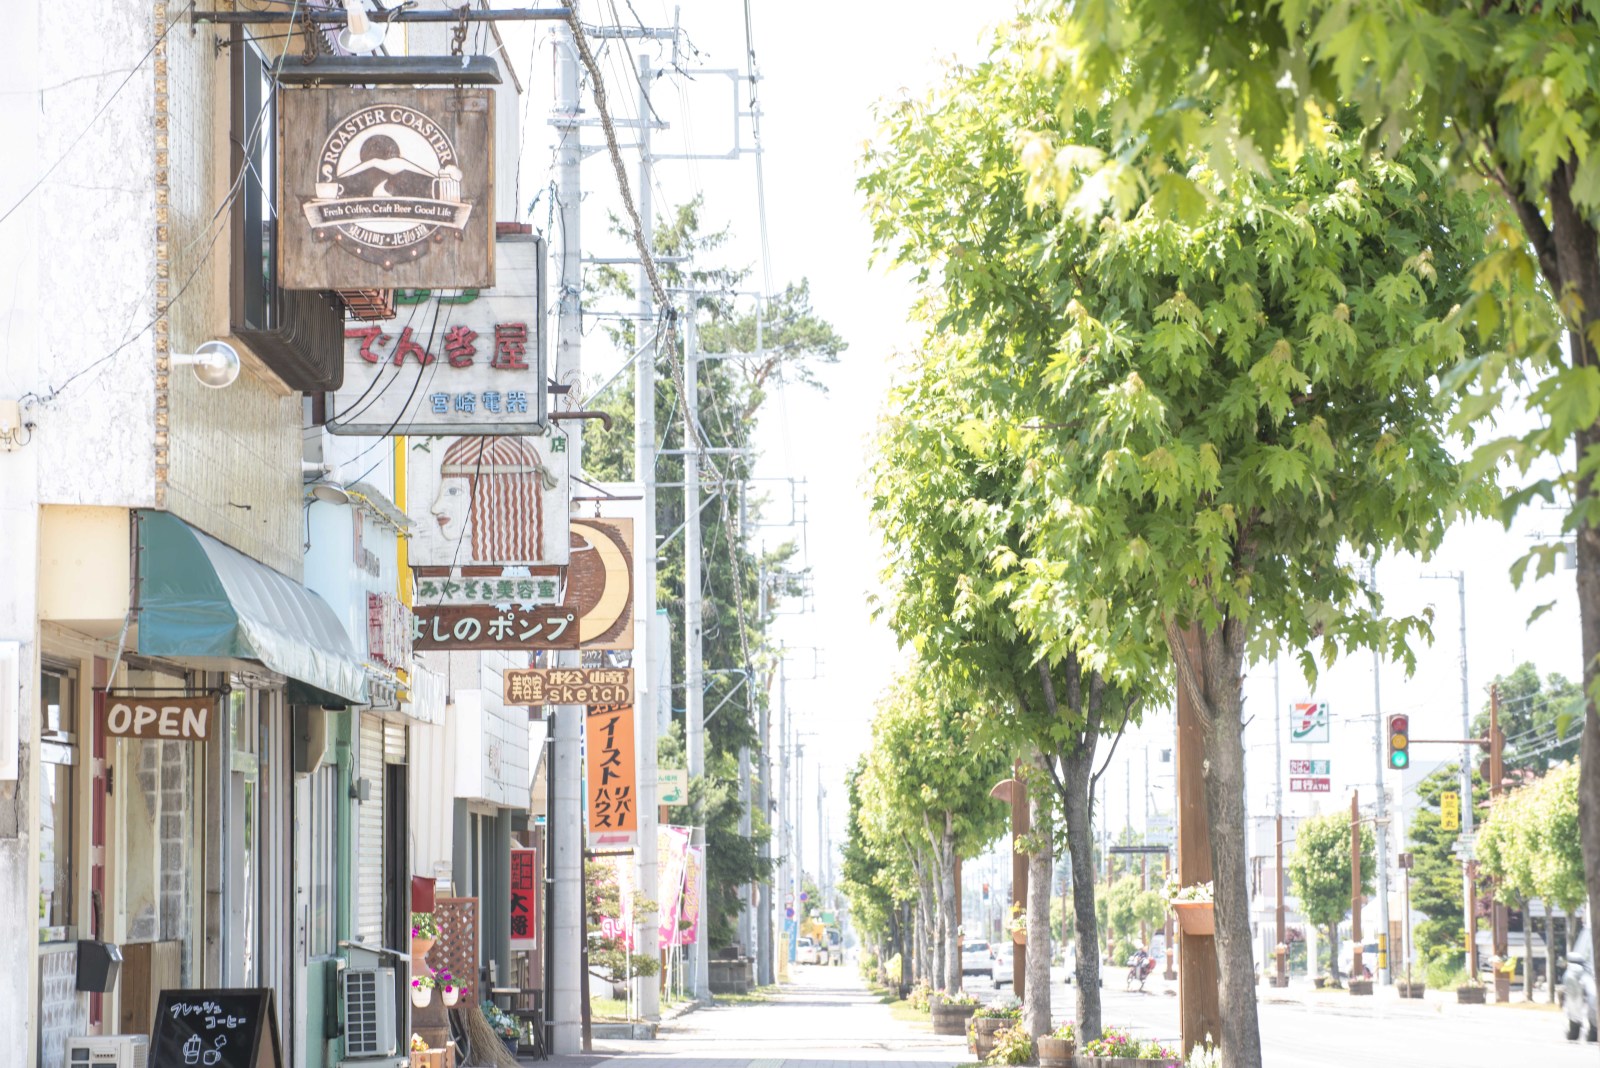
385,187
171,719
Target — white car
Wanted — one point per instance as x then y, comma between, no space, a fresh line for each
806,952
1001,970
1347,956
975,957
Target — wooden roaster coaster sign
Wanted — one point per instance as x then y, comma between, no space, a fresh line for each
568,686
600,582
386,187
230,1028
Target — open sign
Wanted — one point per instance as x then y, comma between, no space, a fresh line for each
174,719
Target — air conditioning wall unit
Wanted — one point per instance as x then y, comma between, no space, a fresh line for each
369,1004
109,1051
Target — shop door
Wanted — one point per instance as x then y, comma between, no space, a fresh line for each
316,912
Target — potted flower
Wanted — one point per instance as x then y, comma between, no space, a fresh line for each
1019,925
421,990
1192,906
988,1020
424,933
503,1024
1118,1049
448,990
1470,993
1056,1048
1012,1045
950,1013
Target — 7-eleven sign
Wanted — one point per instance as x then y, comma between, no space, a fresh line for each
1309,722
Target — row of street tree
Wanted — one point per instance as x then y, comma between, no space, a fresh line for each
1218,306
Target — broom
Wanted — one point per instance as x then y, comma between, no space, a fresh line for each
487,1049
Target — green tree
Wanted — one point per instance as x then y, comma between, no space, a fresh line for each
1511,94
1539,718
1218,413
1319,874
1436,877
1530,844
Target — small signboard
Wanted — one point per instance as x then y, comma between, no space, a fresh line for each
489,627
1310,767
568,686
477,500
600,581
457,587
170,719
216,1029
1449,811
1309,721
524,898
613,775
1310,784
672,786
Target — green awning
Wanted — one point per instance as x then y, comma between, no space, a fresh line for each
200,598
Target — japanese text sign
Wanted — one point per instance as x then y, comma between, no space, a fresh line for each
568,686
672,848
672,786
488,500
386,187
217,1028
458,589
689,922
177,719
524,898
613,775
1310,785
1310,767
1449,811
488,627
451,362
1309,722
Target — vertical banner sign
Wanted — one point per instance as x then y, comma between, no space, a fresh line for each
672,847
524,898
1450,811
386,187
613,776
620,926
1309,721
689,928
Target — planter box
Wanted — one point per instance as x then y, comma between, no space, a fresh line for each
1019,938
433,1058
1361,987
983,1032
1117,1062
1469,995
1055,1052
1320,981
1413,989
951,1019
1195,917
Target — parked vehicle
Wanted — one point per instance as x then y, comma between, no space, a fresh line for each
1001,970
1577,992
1516,952
1369,959
976,957
806,951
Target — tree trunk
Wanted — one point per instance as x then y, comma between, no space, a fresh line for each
1527,951
1041,862
947,904
1085,928
1550,950
1333,950
1223,701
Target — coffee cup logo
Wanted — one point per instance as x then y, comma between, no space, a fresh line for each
388,185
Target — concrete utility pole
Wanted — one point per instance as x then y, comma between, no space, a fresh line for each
1385,970
566,826
1280,948
763,920
693,623
785,855
1467,904
1355,888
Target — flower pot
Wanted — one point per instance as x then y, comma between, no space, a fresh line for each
450,994
1115,1062
983,1032
1195,917
1320,981
422,997
951,1019
420,947
1361,987
1414,989
1055,1052
1469,995
1019,937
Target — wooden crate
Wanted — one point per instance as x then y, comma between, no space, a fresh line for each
434,1058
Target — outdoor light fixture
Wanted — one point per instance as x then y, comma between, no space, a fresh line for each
328,491
361,34
216,364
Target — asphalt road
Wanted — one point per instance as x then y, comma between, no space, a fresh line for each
1338,1031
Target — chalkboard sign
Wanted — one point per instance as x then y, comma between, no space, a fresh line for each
216,1029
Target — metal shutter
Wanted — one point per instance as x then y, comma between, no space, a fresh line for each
369,834
394,742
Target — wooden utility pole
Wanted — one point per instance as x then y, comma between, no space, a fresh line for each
1171,974
1016,792
1355,885
1499,918
1280,950
1199,1012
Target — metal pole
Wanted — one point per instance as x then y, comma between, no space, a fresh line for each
785,856
693,653
1385,969
1355,885
1467,904
764,915
1280,949
567,935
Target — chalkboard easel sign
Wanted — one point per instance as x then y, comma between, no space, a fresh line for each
233,1028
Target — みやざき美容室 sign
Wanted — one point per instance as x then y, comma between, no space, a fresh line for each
385,187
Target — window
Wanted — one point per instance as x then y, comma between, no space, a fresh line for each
58,751
298,334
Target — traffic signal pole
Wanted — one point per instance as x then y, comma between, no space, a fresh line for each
1384,970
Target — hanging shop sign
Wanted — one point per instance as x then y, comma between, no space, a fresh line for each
612,773
600,581
1310,784
488,500
488,627
568,686
1309,721
452,361
1449,811
1310,767
672,786
169,719
524,898
386,187
459,587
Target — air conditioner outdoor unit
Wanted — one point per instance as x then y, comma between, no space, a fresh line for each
109,1051
369,1024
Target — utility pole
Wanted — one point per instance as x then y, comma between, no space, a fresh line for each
1500,918
693,623
1355,887
822,844
1385,969
785,800
1280,949
1468,912
566,827
764,914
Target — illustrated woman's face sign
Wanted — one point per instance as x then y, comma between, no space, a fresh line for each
450,507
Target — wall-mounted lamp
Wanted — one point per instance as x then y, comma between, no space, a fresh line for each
216,364
329,491
361,34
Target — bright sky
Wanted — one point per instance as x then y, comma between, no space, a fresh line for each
822,77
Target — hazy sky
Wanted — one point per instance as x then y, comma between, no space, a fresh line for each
822,77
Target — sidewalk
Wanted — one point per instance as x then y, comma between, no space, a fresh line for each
824,1016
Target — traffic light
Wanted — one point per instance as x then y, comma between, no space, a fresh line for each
1399,742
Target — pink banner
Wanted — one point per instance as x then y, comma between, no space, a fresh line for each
672,844
620,927
690,928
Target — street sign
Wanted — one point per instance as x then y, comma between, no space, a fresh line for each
1319,784
1159,830
1449,811
1310,767
1465,845
672,786
568,686
1309,721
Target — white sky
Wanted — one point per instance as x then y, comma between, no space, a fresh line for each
822,76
